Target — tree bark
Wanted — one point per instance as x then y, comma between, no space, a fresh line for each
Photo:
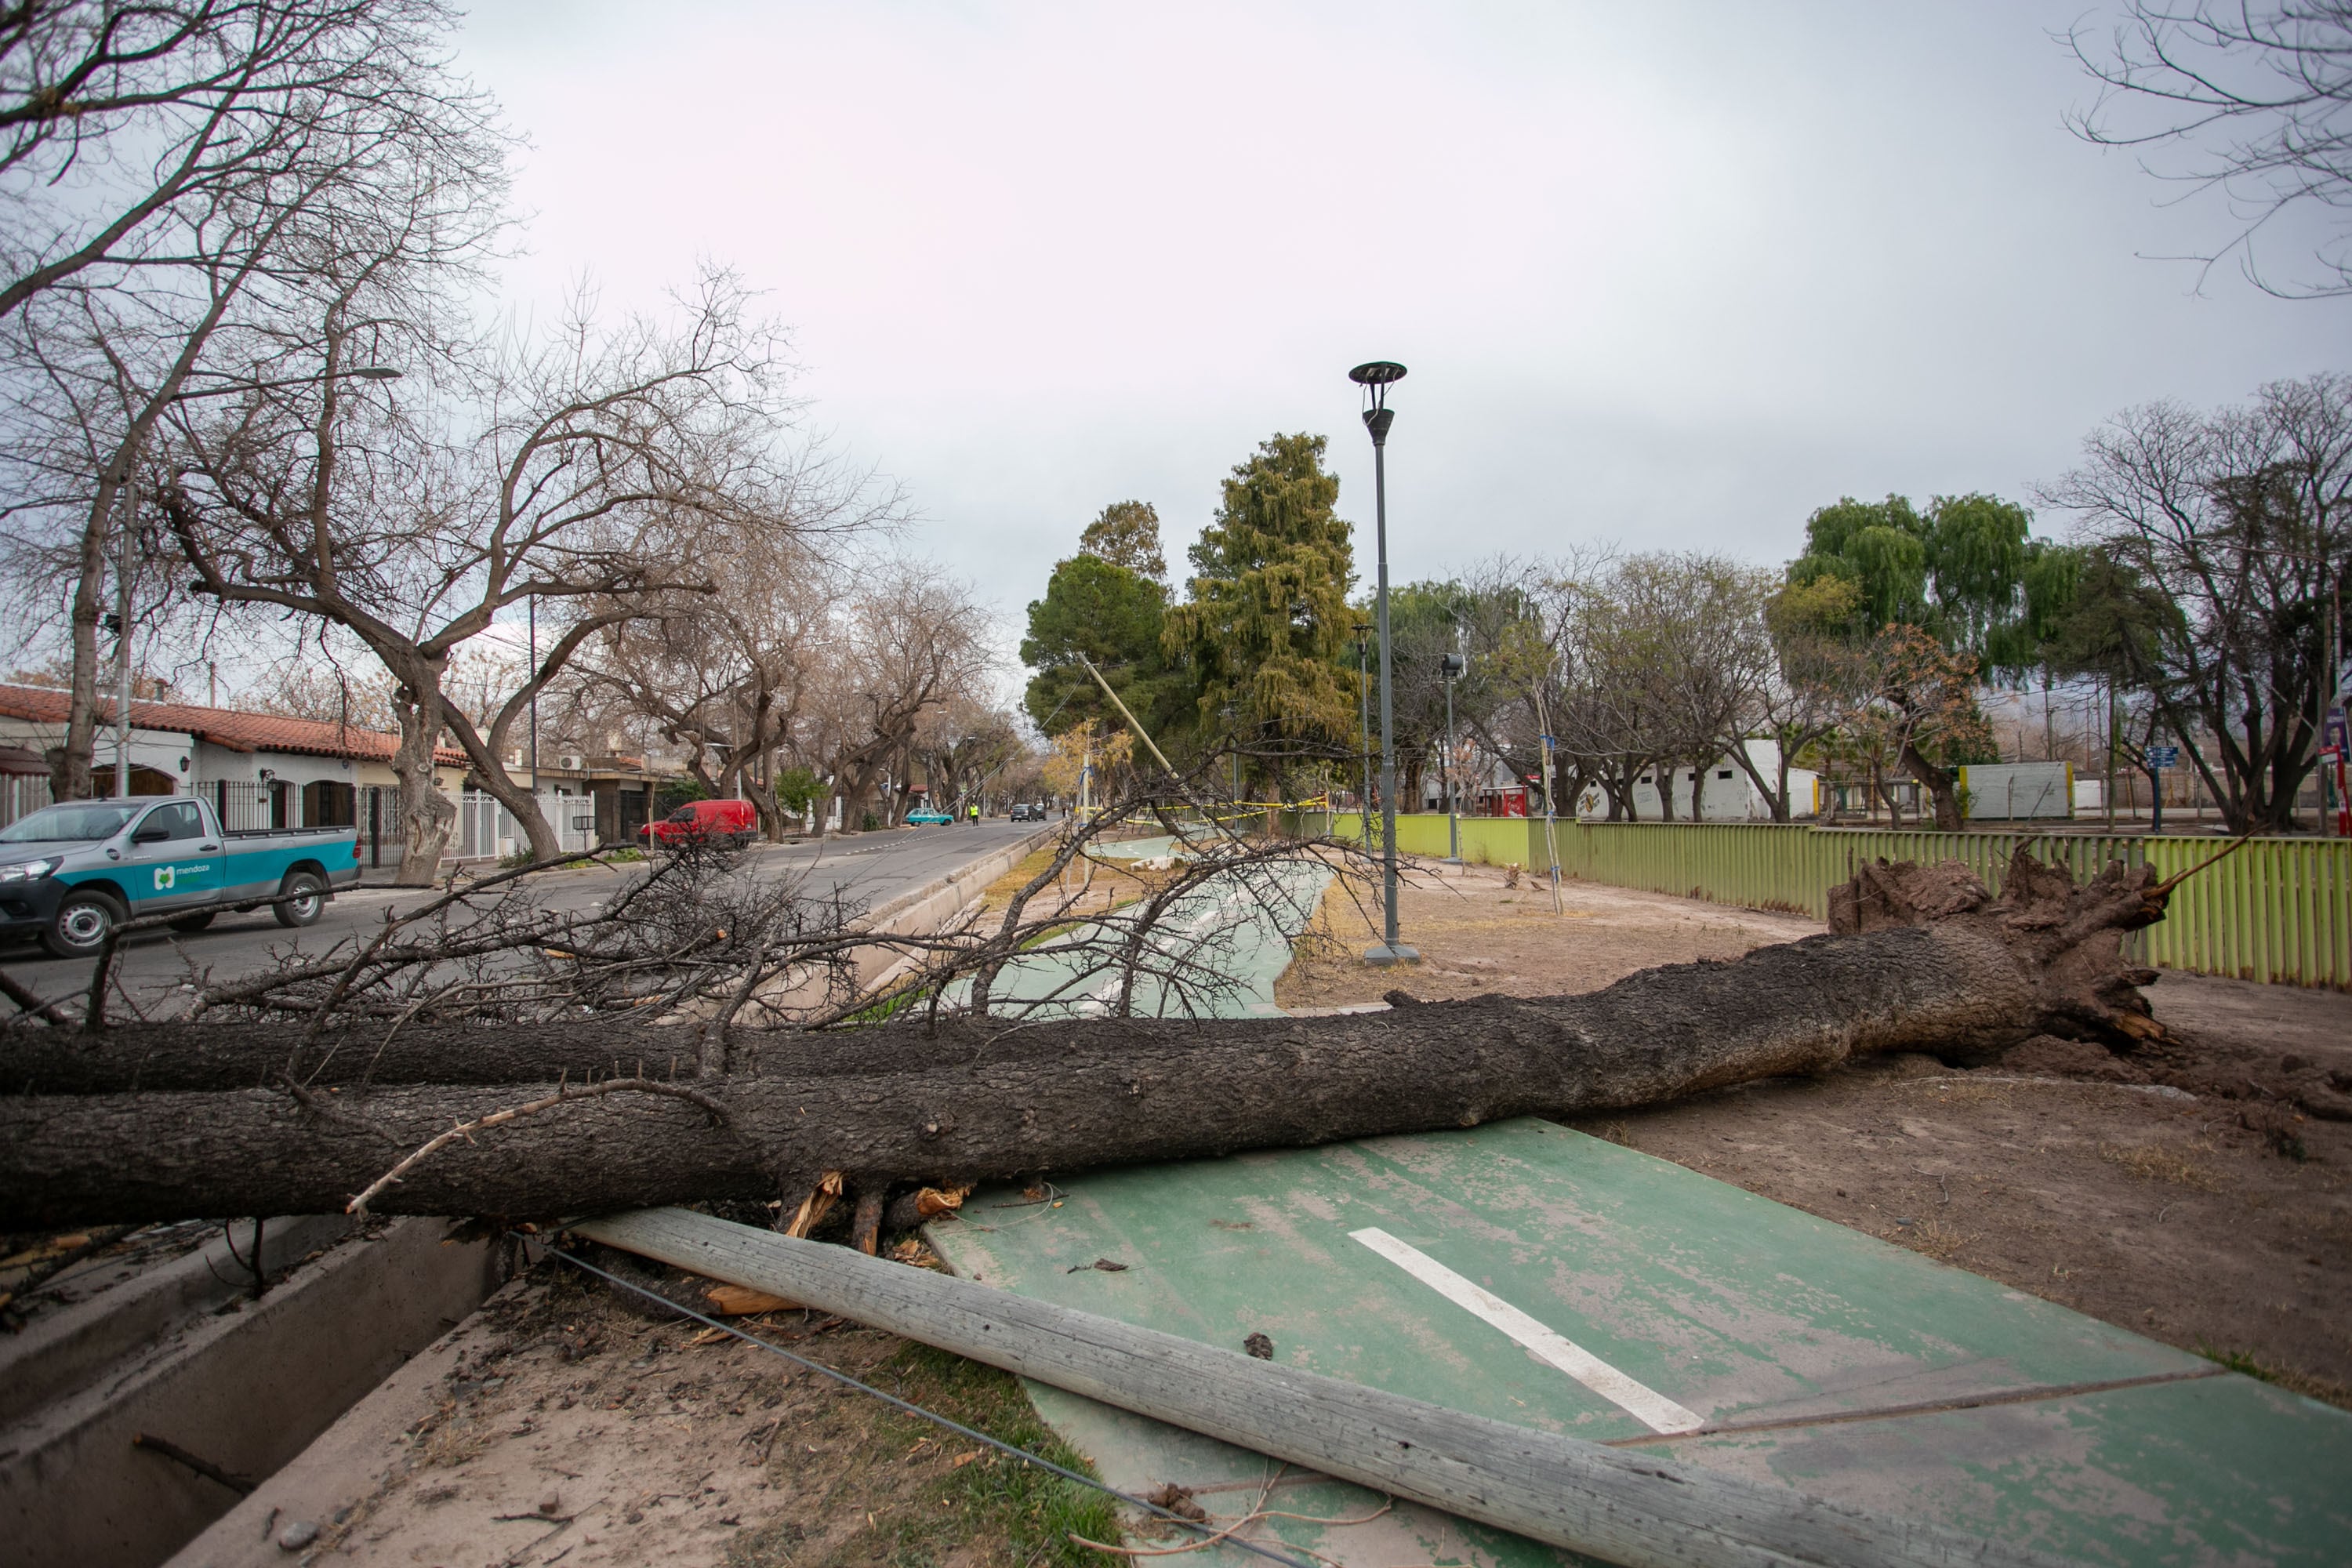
1941,788
1927,961
427,816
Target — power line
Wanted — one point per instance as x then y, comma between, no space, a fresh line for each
911,1408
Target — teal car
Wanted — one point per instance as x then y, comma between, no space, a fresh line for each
71,873
927,817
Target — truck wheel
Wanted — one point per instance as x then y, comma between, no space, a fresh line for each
196,921
80,927
305,896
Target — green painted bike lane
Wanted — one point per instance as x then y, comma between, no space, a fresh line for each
1528,1273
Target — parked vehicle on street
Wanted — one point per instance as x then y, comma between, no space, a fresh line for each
1024,811
705,822
927,817
71,873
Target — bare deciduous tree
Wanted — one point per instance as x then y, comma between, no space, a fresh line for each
910,640
2222,544
167,173
593,467
2254,97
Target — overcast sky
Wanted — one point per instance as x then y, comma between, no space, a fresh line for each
1666,275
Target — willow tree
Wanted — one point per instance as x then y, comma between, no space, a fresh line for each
1267,625
1940,599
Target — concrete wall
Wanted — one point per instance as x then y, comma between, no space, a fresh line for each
244,1384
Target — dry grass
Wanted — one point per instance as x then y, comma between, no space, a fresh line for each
2306,1384
1338,929
1933,1237
2155,1163
1109,887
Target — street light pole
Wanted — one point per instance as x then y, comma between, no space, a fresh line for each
1376,378
1450,667
1228,712
1364,707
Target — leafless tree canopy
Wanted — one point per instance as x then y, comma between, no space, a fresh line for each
179,185
126,128
593,471
2224,540
2251,99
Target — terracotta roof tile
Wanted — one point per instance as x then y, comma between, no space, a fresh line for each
226,727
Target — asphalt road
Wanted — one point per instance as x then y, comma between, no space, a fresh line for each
155,966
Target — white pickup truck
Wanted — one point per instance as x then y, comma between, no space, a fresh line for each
69,873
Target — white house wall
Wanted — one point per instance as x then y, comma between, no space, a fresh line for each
1726,793
172,756
192,763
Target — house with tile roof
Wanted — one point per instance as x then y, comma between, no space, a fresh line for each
264,770
260,770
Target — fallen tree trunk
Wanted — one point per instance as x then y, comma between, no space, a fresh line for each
977,1100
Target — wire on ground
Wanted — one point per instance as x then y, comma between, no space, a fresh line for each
910,1408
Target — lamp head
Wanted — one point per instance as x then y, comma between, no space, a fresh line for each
1375,377
377,373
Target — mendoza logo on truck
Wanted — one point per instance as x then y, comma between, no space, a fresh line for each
165,877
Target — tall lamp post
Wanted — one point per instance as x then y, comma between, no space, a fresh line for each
1375,378
1451,668
1364,707
1229,713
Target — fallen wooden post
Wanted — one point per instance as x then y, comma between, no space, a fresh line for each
1622,1507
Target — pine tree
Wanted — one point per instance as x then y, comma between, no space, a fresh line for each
1267,622
1128,534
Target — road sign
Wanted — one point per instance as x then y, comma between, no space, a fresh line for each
2162,757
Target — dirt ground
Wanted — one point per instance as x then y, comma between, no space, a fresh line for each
2181,1193
2178,1195
1097,884
574,1424
1478,936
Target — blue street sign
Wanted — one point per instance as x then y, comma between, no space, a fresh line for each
2162,757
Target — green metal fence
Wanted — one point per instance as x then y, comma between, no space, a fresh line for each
2279,910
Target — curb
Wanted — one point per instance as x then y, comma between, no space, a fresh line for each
908,910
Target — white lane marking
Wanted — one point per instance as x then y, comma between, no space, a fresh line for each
1645,1405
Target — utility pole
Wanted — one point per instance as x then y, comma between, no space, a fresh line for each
533,677
1551,835
122,574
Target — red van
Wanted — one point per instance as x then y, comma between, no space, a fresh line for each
729,822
